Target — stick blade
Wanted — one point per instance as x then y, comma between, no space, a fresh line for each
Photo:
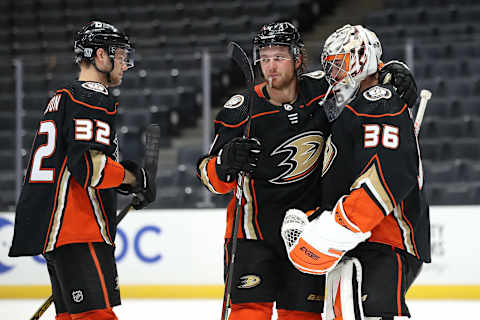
241,59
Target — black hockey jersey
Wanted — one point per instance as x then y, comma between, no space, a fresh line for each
66,195
373,160
292,137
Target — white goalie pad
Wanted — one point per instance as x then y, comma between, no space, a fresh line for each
343,298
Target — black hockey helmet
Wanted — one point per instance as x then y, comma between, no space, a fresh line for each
278,34
98,34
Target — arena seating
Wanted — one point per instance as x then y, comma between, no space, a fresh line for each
446,48
165,85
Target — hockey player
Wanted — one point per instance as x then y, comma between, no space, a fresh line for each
375,213
67,207
283,157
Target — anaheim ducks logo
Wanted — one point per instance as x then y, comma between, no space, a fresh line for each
249,281
304,151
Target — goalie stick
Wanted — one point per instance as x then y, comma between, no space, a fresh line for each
152,147
241,59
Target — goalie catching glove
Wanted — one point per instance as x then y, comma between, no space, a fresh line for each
398,75
144,189
240,154
316,247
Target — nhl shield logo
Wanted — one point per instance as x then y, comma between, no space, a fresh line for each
77,296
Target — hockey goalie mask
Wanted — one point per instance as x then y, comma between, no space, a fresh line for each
277,34
349,55
97,34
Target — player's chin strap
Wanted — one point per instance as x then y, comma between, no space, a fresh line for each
343,299
107,73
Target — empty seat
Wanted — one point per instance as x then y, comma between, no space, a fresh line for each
465,148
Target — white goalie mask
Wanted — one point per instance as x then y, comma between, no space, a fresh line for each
349,55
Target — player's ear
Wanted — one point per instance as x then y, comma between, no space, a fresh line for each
298,61
101,53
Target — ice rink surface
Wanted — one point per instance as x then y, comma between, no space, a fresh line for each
210,309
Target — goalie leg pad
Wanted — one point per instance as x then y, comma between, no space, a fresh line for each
251,311
343,295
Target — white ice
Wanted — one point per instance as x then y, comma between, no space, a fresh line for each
23,309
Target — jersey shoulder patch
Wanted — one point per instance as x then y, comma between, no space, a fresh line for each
234,111
234,102
95,86
376,93
317,74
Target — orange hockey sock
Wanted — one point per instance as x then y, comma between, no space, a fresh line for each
63,316
251,311
104,314
298,315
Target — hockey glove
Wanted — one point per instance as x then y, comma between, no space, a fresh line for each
318,246
398,74
240,154
144,189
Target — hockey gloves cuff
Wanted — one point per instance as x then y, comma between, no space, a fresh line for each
398,74
318,246
240,154
144,189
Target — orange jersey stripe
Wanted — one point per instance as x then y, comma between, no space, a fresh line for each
231,125
87,176
86,104
78,212
399,286
265,113
362,210
376,115
100,274
258,89
113,174
219,185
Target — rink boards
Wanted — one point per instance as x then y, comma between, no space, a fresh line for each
179,254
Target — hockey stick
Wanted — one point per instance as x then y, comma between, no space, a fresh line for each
425,95
152,147
241,59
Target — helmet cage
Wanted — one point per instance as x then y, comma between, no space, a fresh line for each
350,55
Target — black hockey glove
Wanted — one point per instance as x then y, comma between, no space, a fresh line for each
398,74
144,190
240,154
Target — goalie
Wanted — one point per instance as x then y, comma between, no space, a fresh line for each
375,215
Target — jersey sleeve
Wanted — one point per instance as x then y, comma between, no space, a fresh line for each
387,165
229,123
90,134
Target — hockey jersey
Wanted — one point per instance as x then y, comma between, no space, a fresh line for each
373,168
66,196
292,138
